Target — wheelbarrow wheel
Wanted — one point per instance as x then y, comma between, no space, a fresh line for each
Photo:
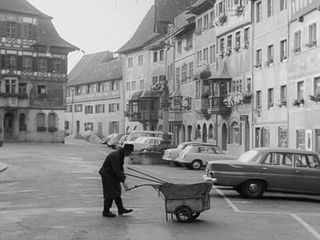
184,214
195,215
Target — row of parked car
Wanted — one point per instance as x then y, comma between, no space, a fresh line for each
253,172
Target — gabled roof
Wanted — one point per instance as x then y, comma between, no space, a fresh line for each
48,36
95,67
20,6
223,73
143,35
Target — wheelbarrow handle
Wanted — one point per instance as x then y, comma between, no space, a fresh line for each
142,185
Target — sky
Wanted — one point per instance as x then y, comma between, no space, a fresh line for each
94,25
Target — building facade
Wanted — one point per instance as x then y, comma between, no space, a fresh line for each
33,75
94,96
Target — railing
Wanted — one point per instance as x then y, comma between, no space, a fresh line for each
217,106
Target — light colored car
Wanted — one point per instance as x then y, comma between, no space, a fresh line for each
105,140
197,156
142,143
171,154
268,169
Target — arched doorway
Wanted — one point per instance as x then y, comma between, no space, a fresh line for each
247,136
183,134
224,137
204,133
189,133
9,125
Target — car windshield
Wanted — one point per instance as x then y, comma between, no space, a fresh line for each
249,156
182,146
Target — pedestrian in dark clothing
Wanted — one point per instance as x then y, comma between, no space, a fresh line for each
112,174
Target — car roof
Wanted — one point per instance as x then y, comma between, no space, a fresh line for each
284,150
202,144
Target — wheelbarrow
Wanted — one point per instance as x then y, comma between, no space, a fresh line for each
185,201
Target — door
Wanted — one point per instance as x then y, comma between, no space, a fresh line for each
9,125
247,136
277,169
307,173
224,137
78,126
99,128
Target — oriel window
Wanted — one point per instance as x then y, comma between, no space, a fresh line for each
10,85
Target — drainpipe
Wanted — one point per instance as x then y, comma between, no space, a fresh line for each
252,74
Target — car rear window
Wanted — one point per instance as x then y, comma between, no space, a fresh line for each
250,156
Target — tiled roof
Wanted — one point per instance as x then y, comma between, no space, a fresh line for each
95,67
20,6
47,35
144,33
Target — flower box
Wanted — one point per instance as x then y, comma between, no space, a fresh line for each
315,97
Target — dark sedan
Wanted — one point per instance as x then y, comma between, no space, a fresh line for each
268,169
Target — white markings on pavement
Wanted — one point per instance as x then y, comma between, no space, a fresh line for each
234,207
13,192
306,225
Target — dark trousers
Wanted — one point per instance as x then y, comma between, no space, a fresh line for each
111,191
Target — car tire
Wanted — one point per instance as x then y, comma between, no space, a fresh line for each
252,189
196,165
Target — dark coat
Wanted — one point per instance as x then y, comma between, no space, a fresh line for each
112,174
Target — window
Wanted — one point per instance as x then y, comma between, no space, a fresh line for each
189,42
155,56
259,12
238,40
212,53
283,50
11,62
52,122
237,85
11,29
258,58
313,34
142,84
301,139
161,55
78,108
283,137
88,126
283,5
283,95
270,97
258,100
57,66
128,86
130,62
300,88
205,55
179,46
27,64
270,8
235,133
42,90
134,85
100,108
199,26
184,72
114,107
40,121
10,85
229,42
316,85
22,122
42,65
140,60
27,30
297,41
190,70
22,87
212,18
270,54
88,109
221,46
177,75
246,36
114,85
206,22
199,57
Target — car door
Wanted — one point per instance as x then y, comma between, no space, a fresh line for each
277,169
307,173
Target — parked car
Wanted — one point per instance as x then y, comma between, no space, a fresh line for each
113,142
143,143
172,153
122,140
268,169
108,138
197,156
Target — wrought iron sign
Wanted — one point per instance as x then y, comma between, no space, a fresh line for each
179,103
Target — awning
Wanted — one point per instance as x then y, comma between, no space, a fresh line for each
223,73
149,94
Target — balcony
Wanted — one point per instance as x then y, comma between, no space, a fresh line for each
217,106
201,106
148,116
133,116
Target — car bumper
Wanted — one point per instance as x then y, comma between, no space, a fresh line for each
209,179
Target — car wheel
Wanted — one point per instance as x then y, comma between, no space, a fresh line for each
196,164
252,189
